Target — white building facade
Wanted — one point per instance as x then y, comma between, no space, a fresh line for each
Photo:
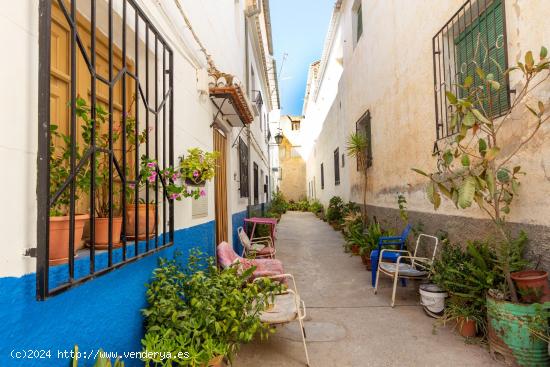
152,61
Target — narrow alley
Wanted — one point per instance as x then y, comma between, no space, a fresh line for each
346,324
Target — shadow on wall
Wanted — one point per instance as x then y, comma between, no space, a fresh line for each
102,313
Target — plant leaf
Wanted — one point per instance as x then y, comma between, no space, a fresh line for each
451,97
482,145
468,81
492,153
480,116
465,160
529,60
543,52
490,179
420,172
469,119
466,192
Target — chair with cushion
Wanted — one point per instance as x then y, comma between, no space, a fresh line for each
259,247
406,266
264,267
287,307
398,241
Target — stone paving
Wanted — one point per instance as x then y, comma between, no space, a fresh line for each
347,325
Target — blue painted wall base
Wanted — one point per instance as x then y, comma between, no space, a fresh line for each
237,220
102,313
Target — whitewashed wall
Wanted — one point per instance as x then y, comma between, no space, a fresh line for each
219,25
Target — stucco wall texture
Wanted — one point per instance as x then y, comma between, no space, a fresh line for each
390,73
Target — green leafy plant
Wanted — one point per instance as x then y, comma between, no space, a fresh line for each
198,166
202,310
477,166
357,147
279,204
402,204
60,168
335,210
315,206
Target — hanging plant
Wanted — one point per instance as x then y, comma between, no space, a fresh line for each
198,167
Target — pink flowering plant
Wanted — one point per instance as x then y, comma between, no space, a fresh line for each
174,188
198,166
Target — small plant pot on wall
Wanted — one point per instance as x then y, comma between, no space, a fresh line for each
59,237
513,330
192,183
102,232
142,220
466,327
532,285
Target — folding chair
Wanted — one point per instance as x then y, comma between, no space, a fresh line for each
407,266
259,247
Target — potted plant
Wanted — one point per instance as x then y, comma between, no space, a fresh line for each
334,213
198,167
203,310
59,212
477,167
358,148
470,320
103,203
532,285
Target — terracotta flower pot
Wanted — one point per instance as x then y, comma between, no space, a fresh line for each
366,261
131,222
59,237
466,327
532,284
355,249
216,362
102,232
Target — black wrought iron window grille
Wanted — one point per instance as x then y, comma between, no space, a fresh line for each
322,177
363,127
475,37
256,184
337,166
117,116
243,169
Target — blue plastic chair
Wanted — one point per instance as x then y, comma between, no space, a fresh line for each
390,256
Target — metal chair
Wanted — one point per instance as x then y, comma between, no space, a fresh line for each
407,266
264,267
259,247
388,241
287,307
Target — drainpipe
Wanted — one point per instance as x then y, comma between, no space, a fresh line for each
249,211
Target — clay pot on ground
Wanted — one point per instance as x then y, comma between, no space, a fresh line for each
466,327
59,237
532,285
102,232
131,221
366,261
355,249
216,362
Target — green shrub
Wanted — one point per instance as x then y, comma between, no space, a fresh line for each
315,206
278,203
335,210
201,310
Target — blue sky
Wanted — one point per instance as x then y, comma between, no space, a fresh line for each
299,29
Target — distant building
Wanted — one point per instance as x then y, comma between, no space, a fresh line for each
292,174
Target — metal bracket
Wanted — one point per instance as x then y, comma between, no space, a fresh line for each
31,252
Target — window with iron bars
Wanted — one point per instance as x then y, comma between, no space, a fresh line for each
337,166
322,177
475,37
105,109
363,127
243,169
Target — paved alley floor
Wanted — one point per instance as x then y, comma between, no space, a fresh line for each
347,325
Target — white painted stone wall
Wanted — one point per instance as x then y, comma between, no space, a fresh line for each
390,73
219,25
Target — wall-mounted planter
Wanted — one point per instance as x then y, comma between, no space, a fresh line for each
59,237
513,330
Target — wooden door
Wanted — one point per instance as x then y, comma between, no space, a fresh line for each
220,186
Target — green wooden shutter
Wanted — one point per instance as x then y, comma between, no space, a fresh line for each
484,34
